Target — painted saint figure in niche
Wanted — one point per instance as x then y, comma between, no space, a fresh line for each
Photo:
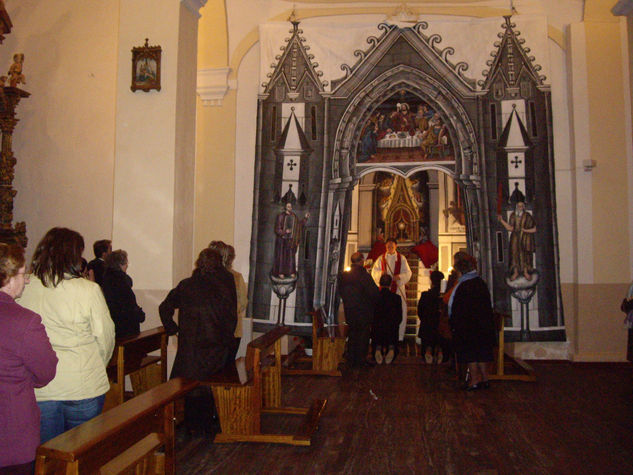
522,228
288,232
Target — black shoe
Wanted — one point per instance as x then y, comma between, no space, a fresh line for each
474,387
367,364
485,384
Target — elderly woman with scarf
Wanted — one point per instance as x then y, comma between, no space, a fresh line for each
472,322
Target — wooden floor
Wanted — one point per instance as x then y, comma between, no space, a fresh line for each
412,418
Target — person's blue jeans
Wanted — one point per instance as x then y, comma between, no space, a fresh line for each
59,416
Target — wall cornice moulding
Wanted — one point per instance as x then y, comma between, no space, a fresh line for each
213,84
194,6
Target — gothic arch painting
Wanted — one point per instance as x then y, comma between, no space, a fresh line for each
405,107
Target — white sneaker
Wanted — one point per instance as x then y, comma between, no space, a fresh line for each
428,357
378,356
390,356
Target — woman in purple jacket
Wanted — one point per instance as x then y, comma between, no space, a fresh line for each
27,360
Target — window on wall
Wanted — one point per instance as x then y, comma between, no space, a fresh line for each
532,109
493,121
273,123
313,122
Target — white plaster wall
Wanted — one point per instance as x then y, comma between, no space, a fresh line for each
245,146
581,181
626,31
145,145
183,252
563,161
64,142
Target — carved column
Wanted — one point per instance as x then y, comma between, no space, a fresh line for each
9,99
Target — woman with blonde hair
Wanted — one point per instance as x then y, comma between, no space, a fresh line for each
80,329
228,256
27,361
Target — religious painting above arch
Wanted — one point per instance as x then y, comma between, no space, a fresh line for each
404,128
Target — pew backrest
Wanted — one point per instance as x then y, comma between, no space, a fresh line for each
86,448
130,353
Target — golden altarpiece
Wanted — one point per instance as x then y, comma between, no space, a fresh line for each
10,96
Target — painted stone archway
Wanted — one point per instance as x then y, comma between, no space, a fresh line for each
346,169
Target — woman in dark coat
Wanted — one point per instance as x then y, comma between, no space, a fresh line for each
472,323
429,312
208,315
117,290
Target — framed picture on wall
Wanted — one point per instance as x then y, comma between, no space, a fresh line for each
146,67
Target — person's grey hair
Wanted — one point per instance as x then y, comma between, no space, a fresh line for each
226,251
116,259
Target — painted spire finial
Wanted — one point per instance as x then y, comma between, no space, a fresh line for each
293,18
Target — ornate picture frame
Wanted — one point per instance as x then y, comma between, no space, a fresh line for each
146,67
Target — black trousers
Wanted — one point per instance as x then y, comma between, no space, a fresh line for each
384,333
199,410
233,350
357,335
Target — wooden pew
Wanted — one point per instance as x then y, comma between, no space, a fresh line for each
131,358
122,440
251,387
328,346
521,371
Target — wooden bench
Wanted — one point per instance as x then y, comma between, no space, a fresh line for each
251,387
122,440
521,370
328,346
131,358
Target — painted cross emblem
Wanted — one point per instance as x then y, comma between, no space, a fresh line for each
514,162
292,164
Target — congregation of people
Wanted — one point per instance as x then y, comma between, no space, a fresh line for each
457,324
60,318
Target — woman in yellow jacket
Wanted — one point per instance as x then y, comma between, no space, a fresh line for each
78,324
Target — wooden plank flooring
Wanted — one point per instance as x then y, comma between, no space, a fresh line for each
576,419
